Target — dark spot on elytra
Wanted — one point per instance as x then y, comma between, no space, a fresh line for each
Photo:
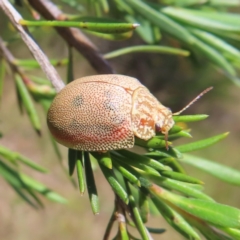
110,105
78,101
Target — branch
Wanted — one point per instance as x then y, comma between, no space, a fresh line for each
41,58
74,37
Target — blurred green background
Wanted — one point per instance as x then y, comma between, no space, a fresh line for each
174,81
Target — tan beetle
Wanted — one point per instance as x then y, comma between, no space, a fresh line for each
105,112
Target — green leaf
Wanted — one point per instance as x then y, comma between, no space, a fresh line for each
22,182
111,37
105,5
179,187
148,49
14,179
178,135
28,103
141,166
15,157
233,232
223,17
31,64
171,152
201,144
46,104
116,186
72,158
156,230
70,75
188,17
180,177
189,118
155,142
91,186
162,21
80,171
146,31
122,228
103,158
138,220
144,160
125,170
229,51
143,203
214,213
175,129
220,171
217,58
90,26
41,188
175,219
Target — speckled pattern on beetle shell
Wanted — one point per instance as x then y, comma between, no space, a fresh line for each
104,112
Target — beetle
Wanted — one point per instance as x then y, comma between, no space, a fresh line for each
105,112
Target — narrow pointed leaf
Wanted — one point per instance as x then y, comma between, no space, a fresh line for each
143,206
22,193
14,179
90,26
171,152
123,230
80,171
156,230
233,232
201,144
227,50
148,49
180,177
138,220
16,157
162,21
180,187
178,135
72,158
135,164
91,186
145,31
126,172
31,64
105,5
155,142
220,171
190,18
116,186
209,232
175,220
145,160
189,118
41,188
175,129
111,36
104,159
28,104
70,76
46,104
217,58
214,213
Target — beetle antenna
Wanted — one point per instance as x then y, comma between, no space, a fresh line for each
193,101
